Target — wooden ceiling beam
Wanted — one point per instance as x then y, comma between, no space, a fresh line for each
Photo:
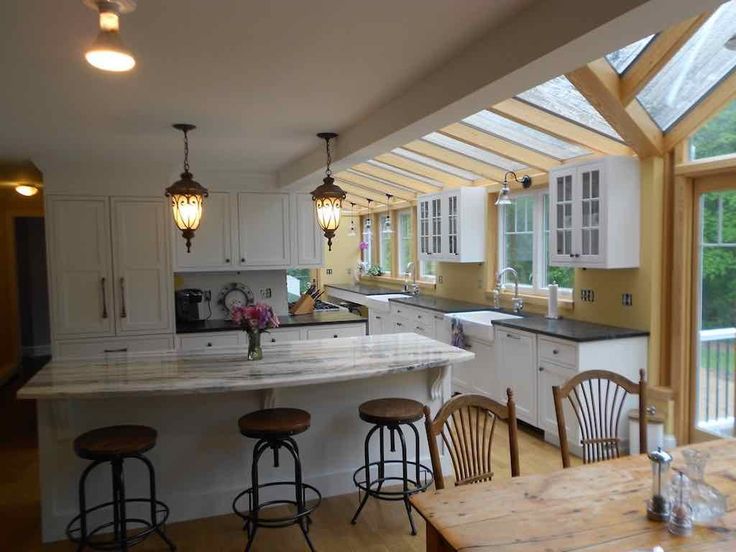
499,146
377,198
358,200
344,178
599,83
369,181
656,55
448,179
395,178
544,121
458,160
712,103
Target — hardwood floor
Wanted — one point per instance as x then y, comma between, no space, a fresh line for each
382,527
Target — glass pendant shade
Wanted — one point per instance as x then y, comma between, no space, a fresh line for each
352,231
26,190
328,198
503,197
387,228
187,197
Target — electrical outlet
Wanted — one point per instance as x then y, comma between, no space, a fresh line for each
587,295
440,279
627,299
266,293
329,271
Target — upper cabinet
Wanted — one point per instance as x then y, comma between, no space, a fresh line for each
594,214
252,231
451,225
110,273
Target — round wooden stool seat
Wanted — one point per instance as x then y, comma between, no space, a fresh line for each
391,411
109,442
274,422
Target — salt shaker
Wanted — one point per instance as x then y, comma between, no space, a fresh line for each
681,517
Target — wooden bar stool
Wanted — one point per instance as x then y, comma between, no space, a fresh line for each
115,444
391,414
274,429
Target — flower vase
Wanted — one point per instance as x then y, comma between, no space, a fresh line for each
254,345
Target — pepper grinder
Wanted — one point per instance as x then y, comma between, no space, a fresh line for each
658,507
681,518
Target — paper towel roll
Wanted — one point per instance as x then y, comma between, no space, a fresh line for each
552,302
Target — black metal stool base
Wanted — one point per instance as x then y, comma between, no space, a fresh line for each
373,486
138,529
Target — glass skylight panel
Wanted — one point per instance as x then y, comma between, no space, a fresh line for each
384,181
471,151
462,173
523,135
560,97
402,172
621,59
694,70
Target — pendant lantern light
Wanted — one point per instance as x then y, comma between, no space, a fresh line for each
107,52
352,231
328,196
504,196
387,228
187,195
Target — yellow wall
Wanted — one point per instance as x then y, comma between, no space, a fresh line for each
343,257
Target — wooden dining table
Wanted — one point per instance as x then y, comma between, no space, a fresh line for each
594,507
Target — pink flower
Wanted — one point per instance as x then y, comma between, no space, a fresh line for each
363,246
255,317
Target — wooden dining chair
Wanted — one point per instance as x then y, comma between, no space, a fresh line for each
597,398
466,424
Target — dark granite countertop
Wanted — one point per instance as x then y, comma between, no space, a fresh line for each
363,289
439,304
573,330
286,320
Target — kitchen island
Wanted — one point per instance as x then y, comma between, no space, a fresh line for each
194,401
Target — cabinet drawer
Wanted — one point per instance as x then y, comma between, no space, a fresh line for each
423,329
101,347
281,336
203,342
558,352
336,331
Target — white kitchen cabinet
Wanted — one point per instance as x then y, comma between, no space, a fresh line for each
594,214
80,264
549,376
517,369
212,244
87,348
379,323
143,283
281,335
308,241
479,375
208,341
264,230
451,225
335,331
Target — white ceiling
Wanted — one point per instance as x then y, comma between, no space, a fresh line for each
258,77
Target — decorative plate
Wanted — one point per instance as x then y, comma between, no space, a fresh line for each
233,295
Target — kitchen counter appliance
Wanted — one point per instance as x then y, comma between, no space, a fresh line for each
190,305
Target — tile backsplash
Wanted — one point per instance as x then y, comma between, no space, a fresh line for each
268,286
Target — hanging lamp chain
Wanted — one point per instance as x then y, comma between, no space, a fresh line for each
328,172
186,151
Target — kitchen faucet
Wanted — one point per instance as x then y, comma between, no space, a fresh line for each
412,289
517,302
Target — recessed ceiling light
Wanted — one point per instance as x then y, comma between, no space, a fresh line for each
107,52
26,190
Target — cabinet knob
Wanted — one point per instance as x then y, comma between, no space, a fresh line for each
577,255
335,336
273,340
378,317
399,324
227,260
555,352
242,259
541,369
209,344
419,315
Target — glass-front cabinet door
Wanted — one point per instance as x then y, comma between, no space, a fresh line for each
561,214
423,223
453,245
589,243
436,225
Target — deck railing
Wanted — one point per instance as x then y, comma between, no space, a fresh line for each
715,381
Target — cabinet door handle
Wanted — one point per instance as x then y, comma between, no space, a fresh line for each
335,336
123,311
541,369
121,350
438,318
555,352
420,329
399,324
209,344
512,336
377,317
273,340
103,281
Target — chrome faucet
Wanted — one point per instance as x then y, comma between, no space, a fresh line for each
412,289
517,302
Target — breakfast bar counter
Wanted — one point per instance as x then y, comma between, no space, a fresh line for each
194,401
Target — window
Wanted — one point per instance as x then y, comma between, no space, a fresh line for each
717,136
385,242
404,240
524,244
428,271
621,59
298,281
366,255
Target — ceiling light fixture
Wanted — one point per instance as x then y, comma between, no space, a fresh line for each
26,190
107,52
328,196
504,196
187,195
352,232
387,229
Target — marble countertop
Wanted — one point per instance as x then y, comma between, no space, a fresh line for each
573,330
286,321
439,304
363,289
289,364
